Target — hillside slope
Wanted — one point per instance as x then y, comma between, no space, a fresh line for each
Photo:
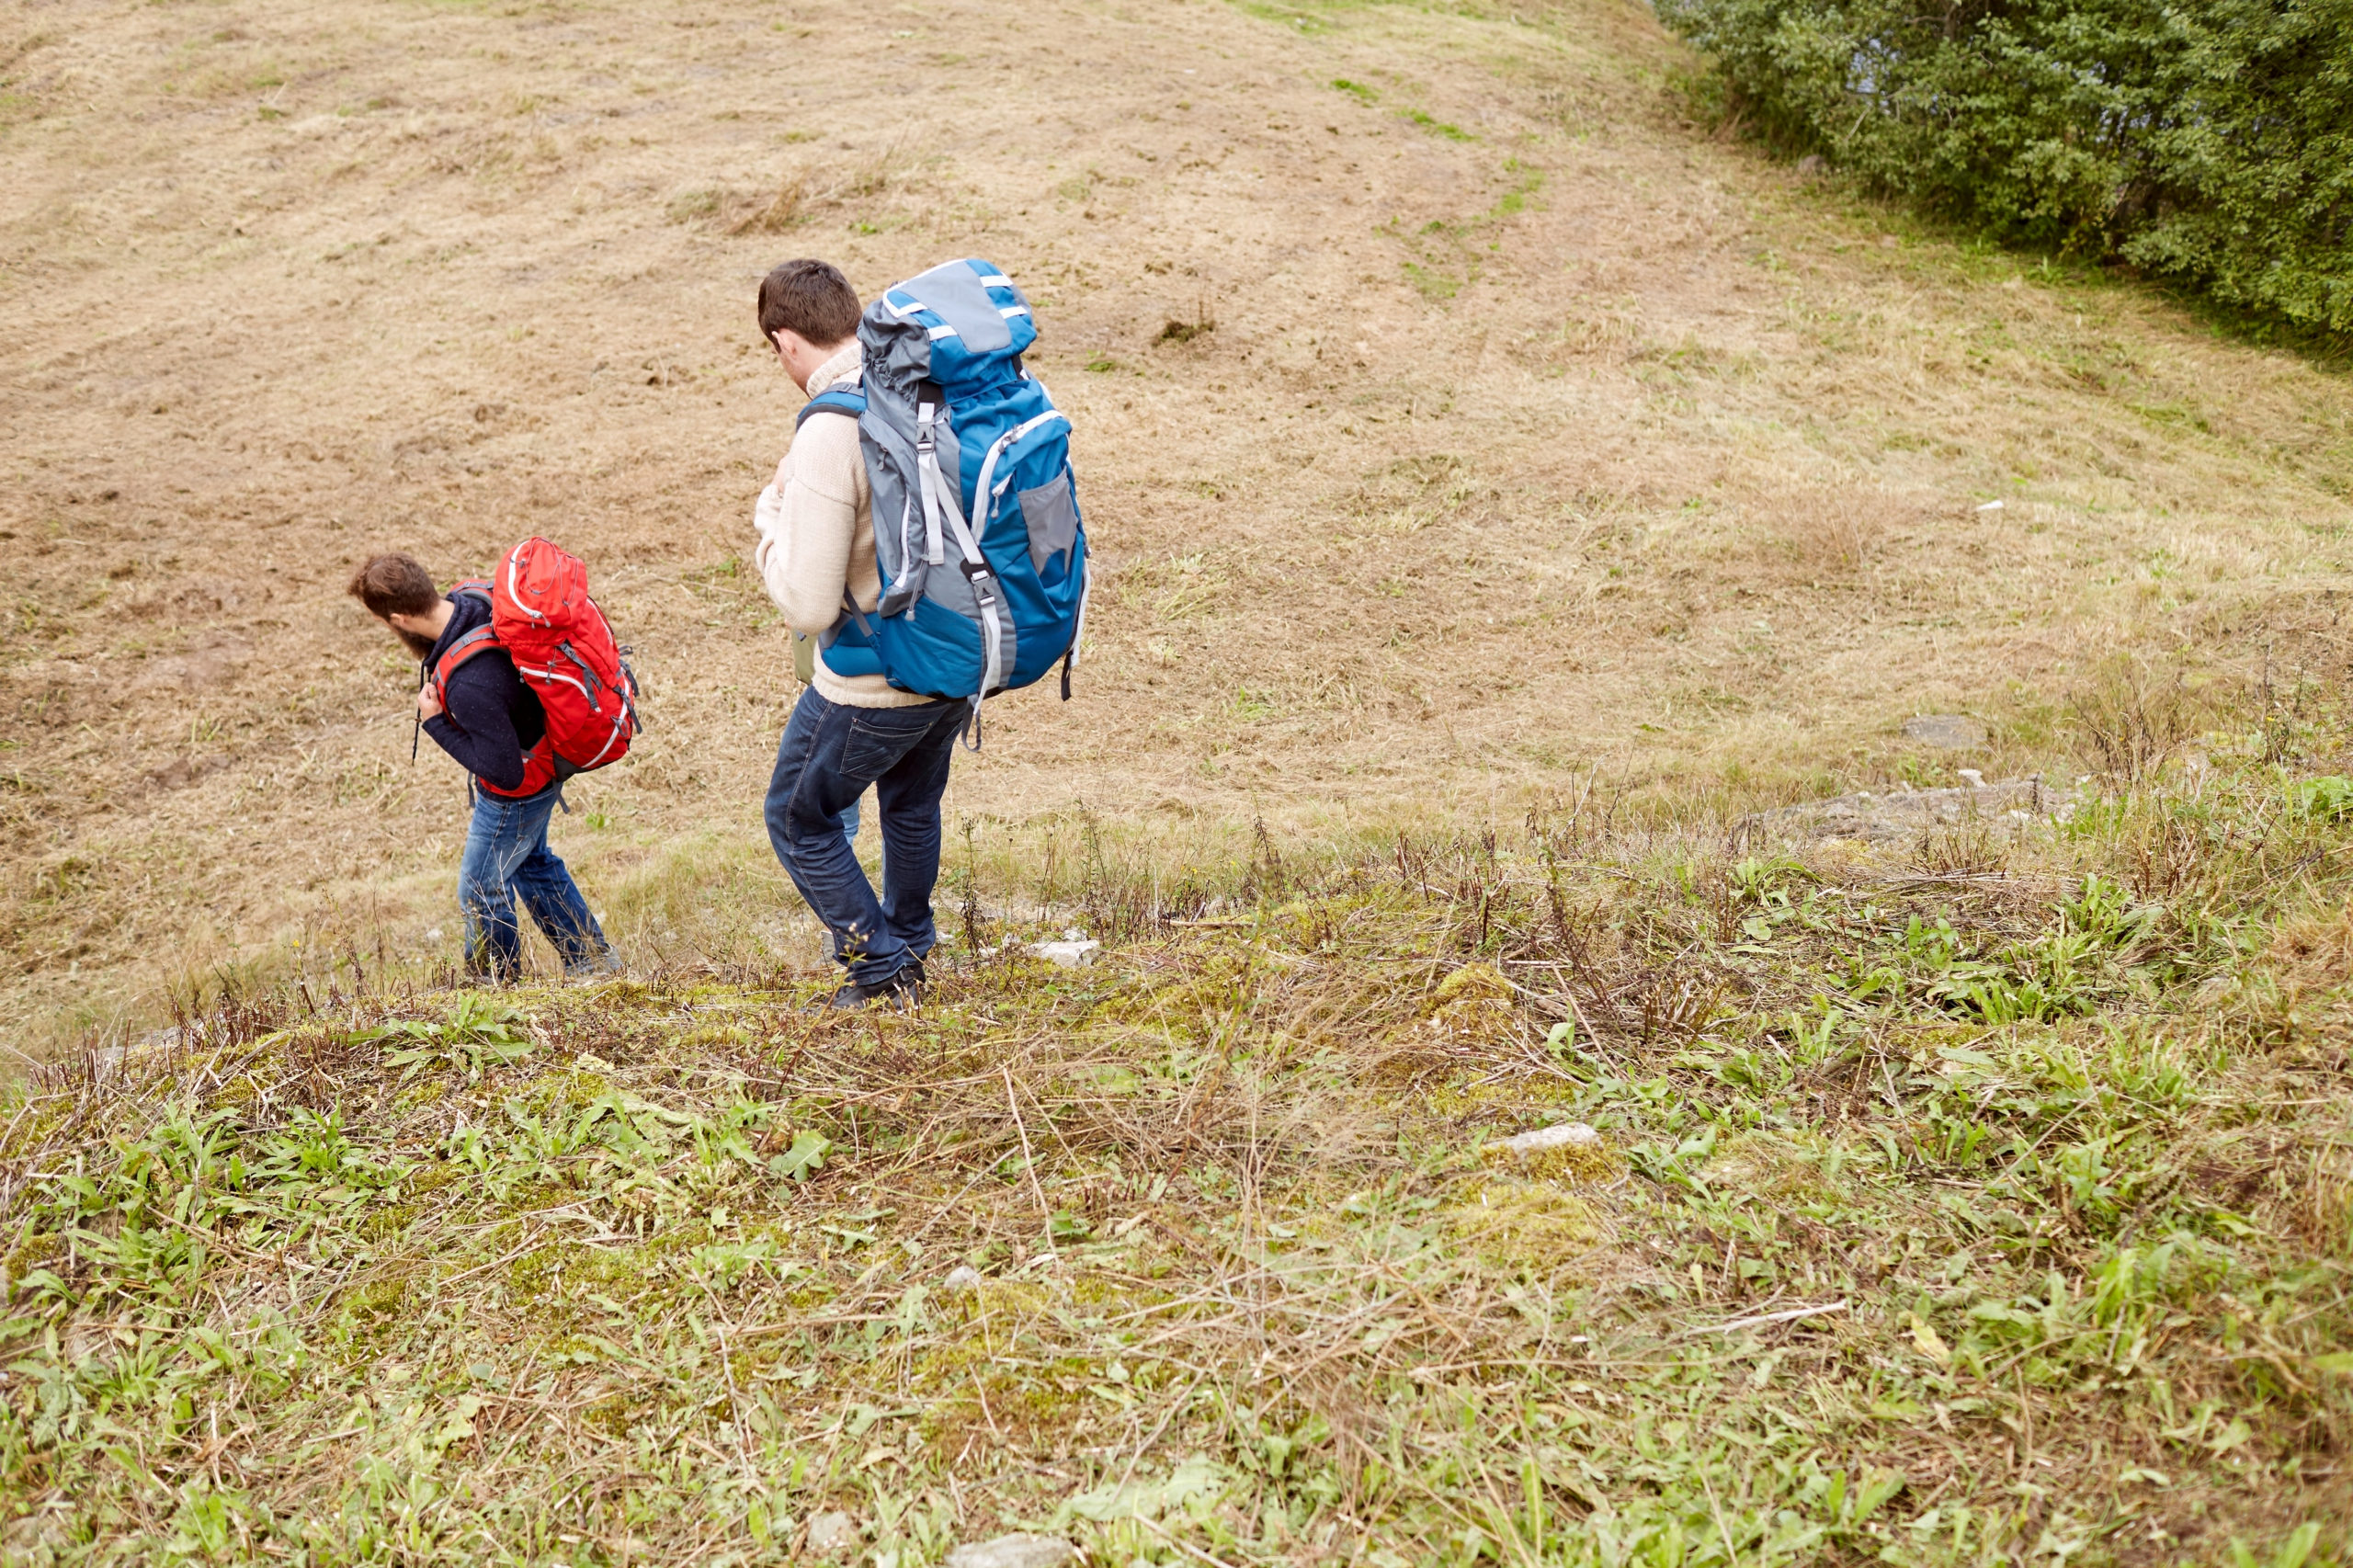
1511,432
1980,1201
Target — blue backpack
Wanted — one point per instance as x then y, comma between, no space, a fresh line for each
976,526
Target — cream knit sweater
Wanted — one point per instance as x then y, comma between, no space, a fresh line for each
817,536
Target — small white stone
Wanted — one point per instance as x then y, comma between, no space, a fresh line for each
1013,1552
830,1532
1971,777
961,1277
1991,506
434,934
1568,1135
1069,955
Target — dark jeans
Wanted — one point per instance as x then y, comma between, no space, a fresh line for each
830,754
506,854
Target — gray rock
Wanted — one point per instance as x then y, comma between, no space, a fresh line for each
1878,818
829,1533
1811,163
1568,1135
1068,955
1954,732
1013,1552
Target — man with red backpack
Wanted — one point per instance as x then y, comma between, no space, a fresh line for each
489,651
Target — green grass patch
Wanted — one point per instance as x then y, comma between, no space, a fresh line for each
1439,127
1947,1201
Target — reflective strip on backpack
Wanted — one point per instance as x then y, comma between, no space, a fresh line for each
515,593
1078,632
552,673
983,497
587,673
620,720
907,586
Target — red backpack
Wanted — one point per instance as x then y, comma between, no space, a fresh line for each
542,615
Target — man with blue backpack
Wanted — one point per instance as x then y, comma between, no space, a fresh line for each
923,530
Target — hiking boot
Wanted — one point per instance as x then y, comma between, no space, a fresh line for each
903,990
596,967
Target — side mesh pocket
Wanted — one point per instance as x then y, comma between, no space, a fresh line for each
1052,520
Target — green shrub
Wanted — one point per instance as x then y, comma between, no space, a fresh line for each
2210,143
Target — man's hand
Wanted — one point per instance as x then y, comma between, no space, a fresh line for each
427,705
780,471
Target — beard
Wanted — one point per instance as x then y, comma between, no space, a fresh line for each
420,646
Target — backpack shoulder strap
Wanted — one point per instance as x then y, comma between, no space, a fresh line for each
480,640
833,400
472,588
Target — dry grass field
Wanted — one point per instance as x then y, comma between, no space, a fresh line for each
1457,424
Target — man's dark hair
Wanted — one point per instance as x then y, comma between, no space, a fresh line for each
811,298
395,585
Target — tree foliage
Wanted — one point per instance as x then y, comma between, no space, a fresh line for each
2211,141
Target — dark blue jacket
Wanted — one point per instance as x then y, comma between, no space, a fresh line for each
490,718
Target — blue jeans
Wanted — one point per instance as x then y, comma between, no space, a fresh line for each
829,754
506,855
